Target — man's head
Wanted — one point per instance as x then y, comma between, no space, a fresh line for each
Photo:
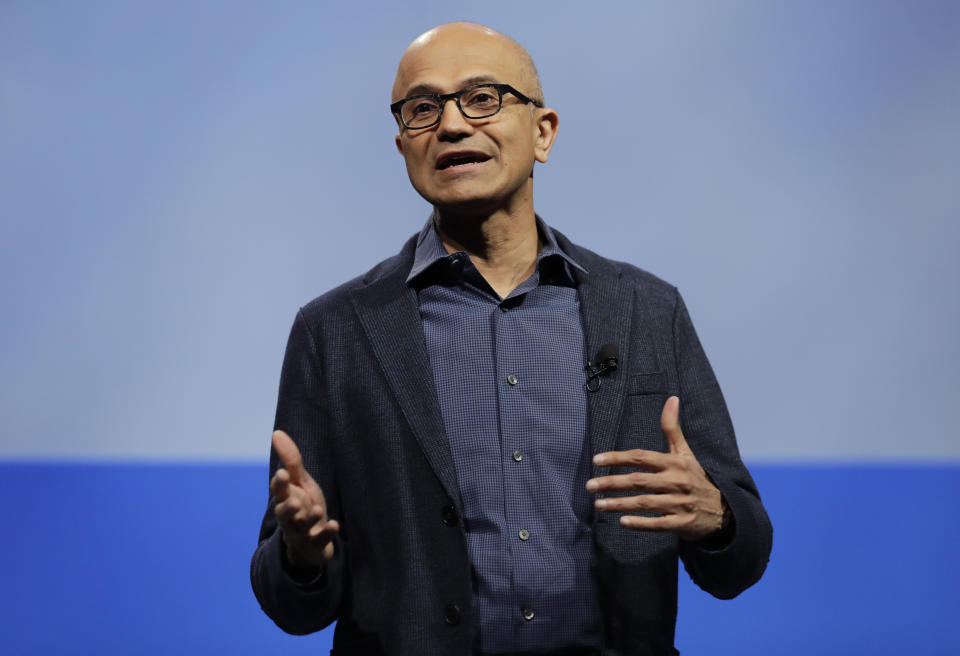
468,164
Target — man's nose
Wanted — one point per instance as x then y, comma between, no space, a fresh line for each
453,124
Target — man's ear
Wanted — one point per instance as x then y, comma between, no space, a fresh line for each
396,140
545,133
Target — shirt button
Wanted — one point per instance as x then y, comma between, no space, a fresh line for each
512,379
518,455
524,534
527,613
451,614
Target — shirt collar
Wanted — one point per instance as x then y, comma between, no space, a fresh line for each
430,250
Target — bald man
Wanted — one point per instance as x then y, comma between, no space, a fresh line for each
497,442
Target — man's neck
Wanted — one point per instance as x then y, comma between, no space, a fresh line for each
503,245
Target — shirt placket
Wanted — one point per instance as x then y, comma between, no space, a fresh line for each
515,456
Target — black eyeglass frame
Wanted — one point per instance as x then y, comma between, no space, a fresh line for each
442,99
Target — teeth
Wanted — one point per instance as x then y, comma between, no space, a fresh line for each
458,161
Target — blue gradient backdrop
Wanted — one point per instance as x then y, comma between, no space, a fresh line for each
177,178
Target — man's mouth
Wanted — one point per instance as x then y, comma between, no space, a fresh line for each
458,159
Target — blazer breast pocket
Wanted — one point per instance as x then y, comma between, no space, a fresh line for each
654,382
643,404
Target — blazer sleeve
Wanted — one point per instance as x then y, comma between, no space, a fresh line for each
300,607
724,570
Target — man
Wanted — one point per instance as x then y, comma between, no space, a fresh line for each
449,474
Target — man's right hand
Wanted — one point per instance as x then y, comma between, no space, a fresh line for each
301,509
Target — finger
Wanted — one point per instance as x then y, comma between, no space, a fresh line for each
670,424
298,528
308,516
290,506
316,513
300,510
636,481
289,454
280,485
667,504
322,540
285,512
660,523
324,531
639,458
297,501
316,537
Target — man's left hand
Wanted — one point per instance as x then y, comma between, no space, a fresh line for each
674,485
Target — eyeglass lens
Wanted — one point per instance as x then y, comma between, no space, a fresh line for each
480,102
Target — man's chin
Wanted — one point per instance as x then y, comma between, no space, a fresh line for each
464,203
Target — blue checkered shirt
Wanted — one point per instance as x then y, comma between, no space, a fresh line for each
510,378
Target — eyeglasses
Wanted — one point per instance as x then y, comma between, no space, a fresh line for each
480,101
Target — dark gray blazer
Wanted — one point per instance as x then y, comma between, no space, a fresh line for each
357,395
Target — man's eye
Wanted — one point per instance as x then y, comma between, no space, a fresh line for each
422,108
482,98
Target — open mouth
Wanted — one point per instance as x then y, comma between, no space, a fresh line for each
453,160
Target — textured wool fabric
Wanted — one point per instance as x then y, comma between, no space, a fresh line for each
358,397
511,381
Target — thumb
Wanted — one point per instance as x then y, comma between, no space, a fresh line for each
670,425
289,454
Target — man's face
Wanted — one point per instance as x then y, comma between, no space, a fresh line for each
461,163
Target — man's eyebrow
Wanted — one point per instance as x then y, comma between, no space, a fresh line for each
469,82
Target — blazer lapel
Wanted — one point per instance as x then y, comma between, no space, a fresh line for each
606,308
390,317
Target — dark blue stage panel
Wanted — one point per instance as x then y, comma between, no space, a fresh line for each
153,559
135,559
864,561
